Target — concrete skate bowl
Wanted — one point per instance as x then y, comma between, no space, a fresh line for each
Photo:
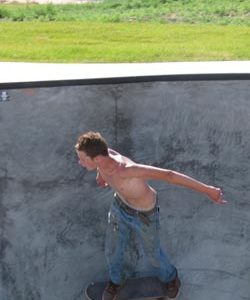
53,216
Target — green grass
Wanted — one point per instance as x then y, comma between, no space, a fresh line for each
224,12
123,42
126,31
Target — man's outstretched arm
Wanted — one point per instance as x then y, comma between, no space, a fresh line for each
173,177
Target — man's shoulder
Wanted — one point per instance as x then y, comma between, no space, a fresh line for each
113,152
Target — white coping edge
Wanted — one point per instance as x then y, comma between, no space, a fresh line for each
31,72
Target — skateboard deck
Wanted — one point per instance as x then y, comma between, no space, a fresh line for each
140,288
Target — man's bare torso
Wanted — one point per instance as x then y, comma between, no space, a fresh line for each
135,191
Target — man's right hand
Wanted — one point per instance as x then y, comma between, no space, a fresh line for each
100,181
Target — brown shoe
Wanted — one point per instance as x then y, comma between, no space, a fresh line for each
111,290
173,287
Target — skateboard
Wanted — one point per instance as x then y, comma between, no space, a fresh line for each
149,288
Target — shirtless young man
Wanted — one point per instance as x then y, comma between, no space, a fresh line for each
134,211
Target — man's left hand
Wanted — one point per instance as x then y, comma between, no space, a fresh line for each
216,195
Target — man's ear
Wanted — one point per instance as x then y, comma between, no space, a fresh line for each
96,159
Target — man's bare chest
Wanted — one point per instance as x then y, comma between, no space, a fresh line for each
115,180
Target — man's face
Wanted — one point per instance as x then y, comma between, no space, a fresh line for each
86,161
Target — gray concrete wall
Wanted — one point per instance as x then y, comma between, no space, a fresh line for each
53,216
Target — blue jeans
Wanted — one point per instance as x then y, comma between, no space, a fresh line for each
128,239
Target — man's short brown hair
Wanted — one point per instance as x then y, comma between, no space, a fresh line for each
92,143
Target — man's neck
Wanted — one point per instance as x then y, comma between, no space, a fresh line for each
107,165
